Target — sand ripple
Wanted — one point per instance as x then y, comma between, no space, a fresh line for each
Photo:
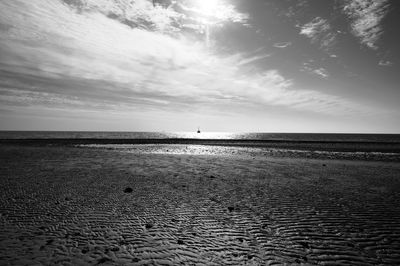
67,206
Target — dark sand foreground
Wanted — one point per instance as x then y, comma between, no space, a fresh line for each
92,206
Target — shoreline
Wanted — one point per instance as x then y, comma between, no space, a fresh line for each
338,146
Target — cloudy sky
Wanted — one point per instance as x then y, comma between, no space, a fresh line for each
223,65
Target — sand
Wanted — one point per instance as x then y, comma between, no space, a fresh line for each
191,205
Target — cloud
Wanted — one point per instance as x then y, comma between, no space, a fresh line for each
165,15
57,57
366,17
322,72
282,44
385,63
136,14
309,67
320,32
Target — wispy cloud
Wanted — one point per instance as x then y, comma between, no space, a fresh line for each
366,17
55,56
320,32
282,44
322,72
310,67
249,60
385,63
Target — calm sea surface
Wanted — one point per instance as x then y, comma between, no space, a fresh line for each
204,135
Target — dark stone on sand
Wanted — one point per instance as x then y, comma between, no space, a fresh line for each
128,190
323,164
180,242
304,244
351,245
114,249
249,256
212,177
148,225
231,209
214,199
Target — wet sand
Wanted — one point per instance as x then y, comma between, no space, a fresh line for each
163,205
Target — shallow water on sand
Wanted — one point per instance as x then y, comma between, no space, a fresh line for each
211,150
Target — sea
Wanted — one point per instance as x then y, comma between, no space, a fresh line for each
319,137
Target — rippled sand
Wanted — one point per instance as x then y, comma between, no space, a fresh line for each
79,206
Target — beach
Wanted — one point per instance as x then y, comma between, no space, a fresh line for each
199,132
185,204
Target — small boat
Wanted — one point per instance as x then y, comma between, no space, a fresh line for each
198,130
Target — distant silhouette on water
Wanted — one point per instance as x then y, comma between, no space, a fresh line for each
198,130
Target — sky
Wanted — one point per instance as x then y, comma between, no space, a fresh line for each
222,65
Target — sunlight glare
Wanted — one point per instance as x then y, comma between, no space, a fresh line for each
207,7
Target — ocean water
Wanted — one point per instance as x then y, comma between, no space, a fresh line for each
380,138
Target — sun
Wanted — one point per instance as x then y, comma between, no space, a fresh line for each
207,7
